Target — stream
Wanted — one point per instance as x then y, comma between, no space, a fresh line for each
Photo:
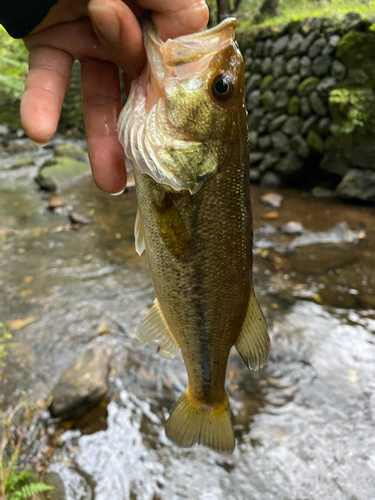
304,424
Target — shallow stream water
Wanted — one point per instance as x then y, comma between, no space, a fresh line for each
305,424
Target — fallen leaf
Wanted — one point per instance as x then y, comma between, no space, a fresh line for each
20,323
25,293
28,279
118,236
271,215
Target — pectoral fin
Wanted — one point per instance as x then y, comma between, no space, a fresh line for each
153,327
138,234
172,228
253,343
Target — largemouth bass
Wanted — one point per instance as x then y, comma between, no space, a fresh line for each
184,129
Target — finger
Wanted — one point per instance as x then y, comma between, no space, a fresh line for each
177,18
101,97
120,34
45,89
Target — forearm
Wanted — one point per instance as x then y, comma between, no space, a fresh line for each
19,17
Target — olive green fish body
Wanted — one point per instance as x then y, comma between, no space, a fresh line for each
184,128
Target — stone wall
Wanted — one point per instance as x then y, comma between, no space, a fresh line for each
310,98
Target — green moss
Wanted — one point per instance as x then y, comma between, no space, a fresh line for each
307,86
356,50
315,142
266,82
294,105
268,100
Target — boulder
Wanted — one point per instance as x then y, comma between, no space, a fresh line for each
83,385
358,185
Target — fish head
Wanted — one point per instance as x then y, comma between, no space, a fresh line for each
193,105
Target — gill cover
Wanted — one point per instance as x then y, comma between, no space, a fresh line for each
147,132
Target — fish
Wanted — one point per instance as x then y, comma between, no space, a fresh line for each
184,128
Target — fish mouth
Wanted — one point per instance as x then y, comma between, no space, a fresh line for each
185,55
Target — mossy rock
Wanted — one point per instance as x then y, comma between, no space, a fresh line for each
268,100
294,105
309,84
356,50
315,142
70,150
62,174
266,83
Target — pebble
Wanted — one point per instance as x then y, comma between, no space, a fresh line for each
273,200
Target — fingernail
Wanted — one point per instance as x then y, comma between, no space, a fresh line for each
106,21
118,194
41,144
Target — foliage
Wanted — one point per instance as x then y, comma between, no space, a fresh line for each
5,345
17,484
353,105
13,66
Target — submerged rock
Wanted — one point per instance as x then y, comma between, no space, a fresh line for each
272,200
82,386
69,150
62,173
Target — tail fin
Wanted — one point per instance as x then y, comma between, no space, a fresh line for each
194,422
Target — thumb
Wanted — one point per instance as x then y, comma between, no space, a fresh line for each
119,34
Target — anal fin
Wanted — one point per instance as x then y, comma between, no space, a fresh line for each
153,328
253,342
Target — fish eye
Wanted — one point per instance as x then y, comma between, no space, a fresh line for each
222,87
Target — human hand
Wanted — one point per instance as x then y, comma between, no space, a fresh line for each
104,35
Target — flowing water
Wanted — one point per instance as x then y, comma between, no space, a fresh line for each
305,424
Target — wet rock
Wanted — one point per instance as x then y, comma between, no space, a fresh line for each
327,84
316,48
321,65
282,99
254,118
269,160
309,124
253,82
267,66
254,175
83,385
21,146
24,162
317,104
280,142
292,66
323,192
69,150
335,162
78,219
293,82
4,130
305,68
300,146
277,122
281,289
320,252
292,227
307,86
280,83
289,165
362,155
273,200
308,41
292,125
259,49
294,45
253,139
253,99
266,83
256,157
271,180
280,45
268,44
278,66
338,70
55,202
305,107
324,126
358,185
264,142
62,173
